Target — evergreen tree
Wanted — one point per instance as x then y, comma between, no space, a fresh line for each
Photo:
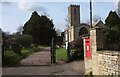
41,28
112,27
112,20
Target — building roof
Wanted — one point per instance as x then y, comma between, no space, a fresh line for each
98,24
84,24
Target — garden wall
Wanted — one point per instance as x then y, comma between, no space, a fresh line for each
108,62
102,62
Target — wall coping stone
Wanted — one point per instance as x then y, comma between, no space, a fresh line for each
109,52
85,37
96,28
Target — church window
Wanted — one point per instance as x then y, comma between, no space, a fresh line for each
83,31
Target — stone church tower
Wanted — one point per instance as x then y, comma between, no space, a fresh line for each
73,15
75,28
73,20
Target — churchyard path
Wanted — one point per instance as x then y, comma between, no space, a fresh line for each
39,64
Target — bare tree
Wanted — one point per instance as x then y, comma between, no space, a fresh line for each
58,31
20,29
66,19
96,18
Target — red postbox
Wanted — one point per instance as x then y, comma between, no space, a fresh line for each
87,47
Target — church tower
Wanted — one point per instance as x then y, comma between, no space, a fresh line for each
73,22
74,15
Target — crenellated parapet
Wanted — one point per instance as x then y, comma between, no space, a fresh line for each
75,5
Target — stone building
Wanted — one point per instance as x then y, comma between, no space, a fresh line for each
75,28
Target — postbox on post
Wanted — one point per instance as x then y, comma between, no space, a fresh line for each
87,47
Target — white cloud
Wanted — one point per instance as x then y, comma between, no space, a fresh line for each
29,6
117,7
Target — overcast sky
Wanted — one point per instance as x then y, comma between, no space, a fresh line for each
17,13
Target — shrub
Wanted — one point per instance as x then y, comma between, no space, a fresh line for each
16,48
24,40
90,74
77,52
36,49
11,58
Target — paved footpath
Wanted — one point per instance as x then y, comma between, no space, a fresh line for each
38,58
39,64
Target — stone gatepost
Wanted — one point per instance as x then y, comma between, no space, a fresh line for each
87,61
96,43
96,40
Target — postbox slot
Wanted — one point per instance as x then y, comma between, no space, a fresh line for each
87,41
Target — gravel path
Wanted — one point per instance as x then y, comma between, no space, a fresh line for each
38,64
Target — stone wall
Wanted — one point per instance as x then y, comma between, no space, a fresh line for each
108,63
101,62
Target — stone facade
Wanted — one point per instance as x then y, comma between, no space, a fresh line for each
101,62
75,30
71,33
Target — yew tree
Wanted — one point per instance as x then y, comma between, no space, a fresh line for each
41,28
112,27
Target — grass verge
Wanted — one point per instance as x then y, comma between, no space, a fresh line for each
61,54
38,48
11,58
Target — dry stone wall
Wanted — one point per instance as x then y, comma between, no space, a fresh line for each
107,62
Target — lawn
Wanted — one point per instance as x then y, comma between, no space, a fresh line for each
61,54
